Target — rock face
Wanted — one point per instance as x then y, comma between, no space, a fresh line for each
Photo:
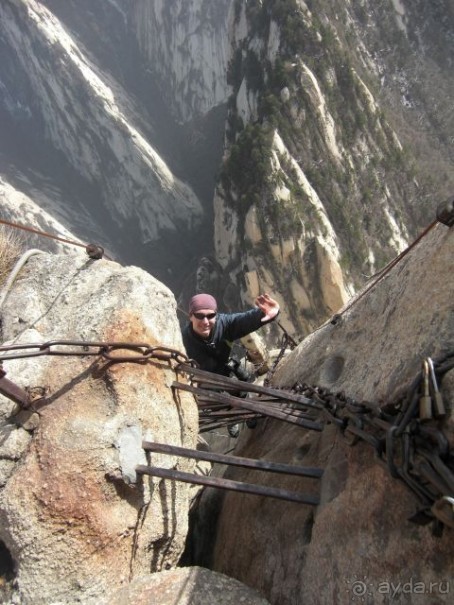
359,543
295,263
405,316
187,46
315,191
19,208
76,519
91,158
187,586
286,130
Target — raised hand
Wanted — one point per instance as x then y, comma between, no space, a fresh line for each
268,305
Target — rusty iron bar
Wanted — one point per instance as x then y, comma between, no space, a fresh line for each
218,423
205,413
265,410
225,418
276,396
444,472
203,404
228,414
13,392
284,406
289,410
253,407
429,474
228,484
224,422
365,436
263,465
224,382
290,404
205,428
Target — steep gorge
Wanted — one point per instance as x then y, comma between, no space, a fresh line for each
316,156
277,144
329,189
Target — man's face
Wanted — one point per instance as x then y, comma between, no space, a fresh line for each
203,322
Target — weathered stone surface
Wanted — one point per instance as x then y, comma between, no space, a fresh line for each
323,290
358,545
377,345
187,586
77,521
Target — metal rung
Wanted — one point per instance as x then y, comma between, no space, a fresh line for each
13,392
263,465
228,484
251,405
216,380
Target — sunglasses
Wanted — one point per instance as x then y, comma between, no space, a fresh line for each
208,316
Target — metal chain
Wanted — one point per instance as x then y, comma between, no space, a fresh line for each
114,352
287,342
137,352
406,438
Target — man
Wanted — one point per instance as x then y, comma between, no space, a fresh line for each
209,335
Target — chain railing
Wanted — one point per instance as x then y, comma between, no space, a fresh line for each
113,352
407,435
137,352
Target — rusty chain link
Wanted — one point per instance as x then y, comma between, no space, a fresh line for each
407,438
143,352
110,351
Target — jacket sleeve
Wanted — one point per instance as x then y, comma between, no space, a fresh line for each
241,324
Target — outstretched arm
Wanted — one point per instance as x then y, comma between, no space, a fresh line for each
237,325
268,306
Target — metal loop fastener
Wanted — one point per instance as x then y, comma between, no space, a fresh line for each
167,354
110,352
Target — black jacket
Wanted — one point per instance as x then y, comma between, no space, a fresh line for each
213,354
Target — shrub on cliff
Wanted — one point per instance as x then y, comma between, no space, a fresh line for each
10,249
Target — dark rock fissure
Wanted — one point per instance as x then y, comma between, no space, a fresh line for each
7,572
